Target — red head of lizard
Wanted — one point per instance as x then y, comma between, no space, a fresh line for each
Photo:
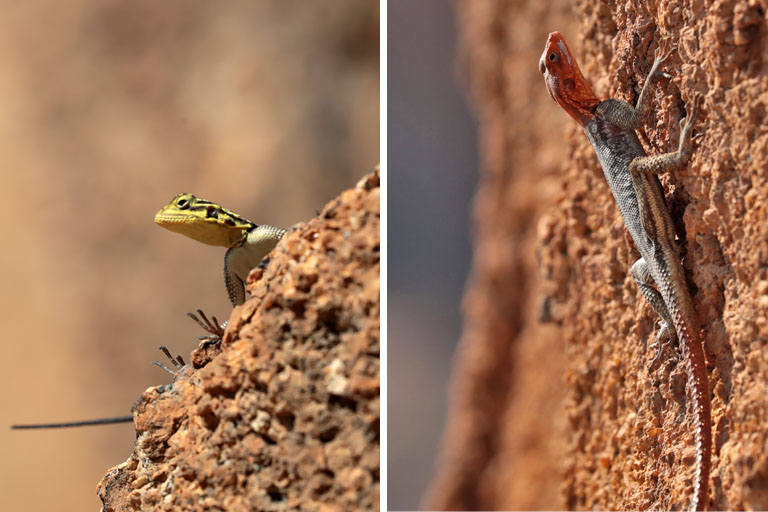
565,82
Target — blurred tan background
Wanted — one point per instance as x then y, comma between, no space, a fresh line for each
108,110
433,169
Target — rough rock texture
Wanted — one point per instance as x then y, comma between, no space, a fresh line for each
535,407
286,416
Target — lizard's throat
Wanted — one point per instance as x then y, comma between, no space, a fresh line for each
573,96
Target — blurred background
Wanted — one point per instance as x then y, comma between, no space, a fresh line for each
432,160
109,109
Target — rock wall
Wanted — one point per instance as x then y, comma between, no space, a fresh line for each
553,403
284,413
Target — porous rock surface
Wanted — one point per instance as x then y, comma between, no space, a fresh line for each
553,402
284,415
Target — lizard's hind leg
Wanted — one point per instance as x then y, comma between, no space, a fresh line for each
645,282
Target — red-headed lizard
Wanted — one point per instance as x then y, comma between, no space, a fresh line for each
610,127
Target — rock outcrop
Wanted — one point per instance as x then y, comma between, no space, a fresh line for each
283,414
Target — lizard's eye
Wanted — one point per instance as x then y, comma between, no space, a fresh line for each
553,57
211,212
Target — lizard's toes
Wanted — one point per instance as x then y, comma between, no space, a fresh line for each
695,105
664,50
686,123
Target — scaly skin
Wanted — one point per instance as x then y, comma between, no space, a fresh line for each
610,127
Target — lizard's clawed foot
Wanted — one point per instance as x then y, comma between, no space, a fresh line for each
695,106
664,50
212,326
178,362
686,123
665,338
661,54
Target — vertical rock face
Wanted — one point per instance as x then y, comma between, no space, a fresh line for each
285,413
568,415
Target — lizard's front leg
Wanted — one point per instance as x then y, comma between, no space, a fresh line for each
178,362
211,326
644,281
620,112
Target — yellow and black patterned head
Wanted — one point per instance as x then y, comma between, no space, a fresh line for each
204,221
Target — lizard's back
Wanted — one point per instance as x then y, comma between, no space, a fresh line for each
616,147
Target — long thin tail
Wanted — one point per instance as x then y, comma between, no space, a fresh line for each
102,421
681,309
698,383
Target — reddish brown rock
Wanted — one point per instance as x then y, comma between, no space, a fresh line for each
286,415
567,415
